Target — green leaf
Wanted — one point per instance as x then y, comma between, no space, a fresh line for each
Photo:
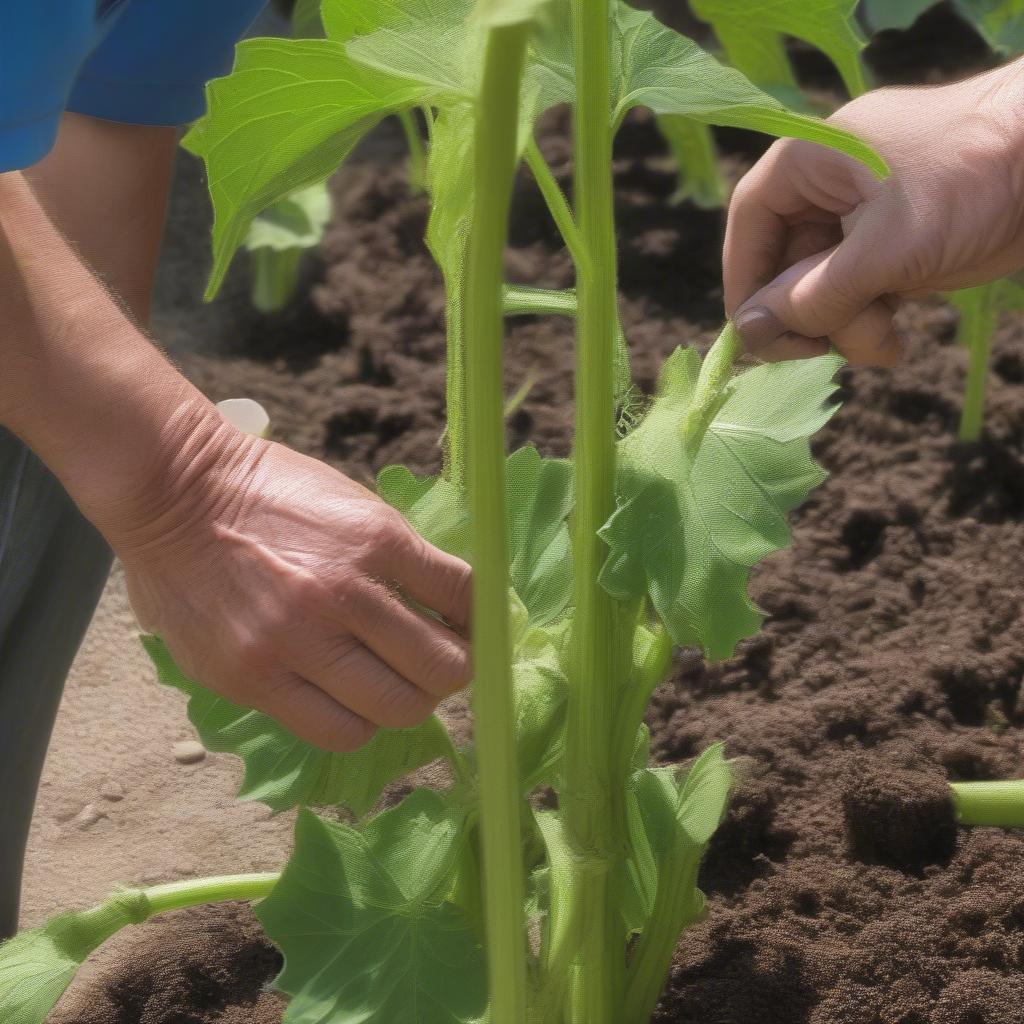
541,693
306,23
658,68
295,222
433,42
899,14
365,936
283,771
671,821
687,530
540,499
450,181
1000,22
37,966
284,119
829,25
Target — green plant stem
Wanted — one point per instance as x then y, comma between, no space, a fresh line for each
715,373
557,204
133,906
1000,804
977,324
677,904
417,154
693,148
455,386
176,895
594,802
275,273
500,805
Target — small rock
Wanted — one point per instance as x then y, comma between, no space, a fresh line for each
112,791
88,817
189,752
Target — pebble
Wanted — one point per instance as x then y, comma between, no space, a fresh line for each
112,791
189,752
88,817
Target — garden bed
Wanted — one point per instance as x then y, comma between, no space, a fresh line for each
892,658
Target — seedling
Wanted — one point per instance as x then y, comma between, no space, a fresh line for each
469,903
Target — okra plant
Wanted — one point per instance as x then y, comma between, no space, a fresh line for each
478,901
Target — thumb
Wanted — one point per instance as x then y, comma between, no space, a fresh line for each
816,298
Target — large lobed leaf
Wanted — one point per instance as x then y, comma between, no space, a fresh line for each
539,501
283,771
287,116
689,527
658,68
362,920
829,25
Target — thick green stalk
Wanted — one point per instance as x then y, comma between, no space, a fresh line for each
176,895
594,801
1000,804
677,904
977,325
500,804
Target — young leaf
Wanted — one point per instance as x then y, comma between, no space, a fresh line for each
37,966
283,771
284,119
658,68
687,531
828,25
365,935
306,23
540,499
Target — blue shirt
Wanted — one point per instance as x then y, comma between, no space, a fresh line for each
133,61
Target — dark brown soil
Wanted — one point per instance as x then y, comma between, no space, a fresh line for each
891,661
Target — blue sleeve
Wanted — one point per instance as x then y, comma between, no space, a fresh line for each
153,65
42,45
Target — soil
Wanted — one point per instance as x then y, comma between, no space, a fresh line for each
840,891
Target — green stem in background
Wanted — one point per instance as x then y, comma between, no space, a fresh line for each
275,273
500,805
1000,804
417,153
177,895
593,801
977,325
557,204
693,148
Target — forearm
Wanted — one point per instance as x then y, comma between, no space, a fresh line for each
81,385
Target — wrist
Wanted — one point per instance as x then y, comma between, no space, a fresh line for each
195,469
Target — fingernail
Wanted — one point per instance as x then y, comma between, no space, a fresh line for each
758,326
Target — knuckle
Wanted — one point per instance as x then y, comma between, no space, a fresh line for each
400,705
348,732
253,655
444,669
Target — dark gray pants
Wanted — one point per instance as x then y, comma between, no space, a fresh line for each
53,566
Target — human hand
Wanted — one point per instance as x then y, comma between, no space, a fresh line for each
817,249
279,583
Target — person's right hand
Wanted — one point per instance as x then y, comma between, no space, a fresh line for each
818,250
285,586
